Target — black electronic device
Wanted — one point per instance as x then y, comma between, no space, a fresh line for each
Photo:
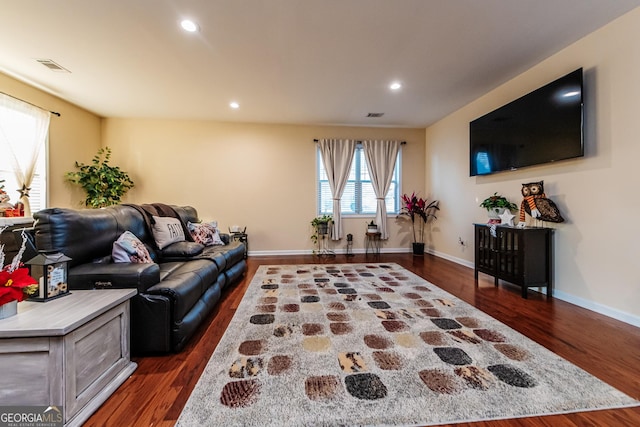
543,126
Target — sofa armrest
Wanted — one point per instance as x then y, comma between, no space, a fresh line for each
114,276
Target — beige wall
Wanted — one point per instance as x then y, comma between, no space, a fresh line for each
255,175
596,250
75,135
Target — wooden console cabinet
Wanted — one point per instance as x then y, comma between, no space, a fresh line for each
522,256
71,352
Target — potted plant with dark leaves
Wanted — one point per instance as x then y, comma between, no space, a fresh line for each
419,210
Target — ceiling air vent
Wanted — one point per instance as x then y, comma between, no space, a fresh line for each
53,66
375,114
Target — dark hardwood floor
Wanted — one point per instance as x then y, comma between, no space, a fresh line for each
158,390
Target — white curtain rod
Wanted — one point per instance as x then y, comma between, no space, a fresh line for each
360,142
27,102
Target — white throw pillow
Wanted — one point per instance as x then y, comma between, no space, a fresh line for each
205,233
128,248
167,230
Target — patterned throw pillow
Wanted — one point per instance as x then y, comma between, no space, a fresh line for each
128,248
167,230
205,233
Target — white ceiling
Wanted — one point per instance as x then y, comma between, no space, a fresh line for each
287,61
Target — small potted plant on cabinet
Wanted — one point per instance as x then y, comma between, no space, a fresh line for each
496,205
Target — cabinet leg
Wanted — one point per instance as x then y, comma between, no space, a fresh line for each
495,282
524,292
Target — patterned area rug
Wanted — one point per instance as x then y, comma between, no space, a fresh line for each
374,344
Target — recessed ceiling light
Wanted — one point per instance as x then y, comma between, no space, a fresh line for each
395,86
189,25
234,105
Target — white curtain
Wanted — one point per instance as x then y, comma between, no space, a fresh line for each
337,156
23,129
381,158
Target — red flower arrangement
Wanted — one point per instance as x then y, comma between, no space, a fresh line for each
15,282
414,208
16,285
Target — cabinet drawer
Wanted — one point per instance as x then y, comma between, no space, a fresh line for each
30,371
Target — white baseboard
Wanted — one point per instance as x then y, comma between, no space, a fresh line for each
598,308
279,253
448,257
572,299
337,252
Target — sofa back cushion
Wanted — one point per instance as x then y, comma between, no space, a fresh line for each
82,235
86,234
130,219
187,213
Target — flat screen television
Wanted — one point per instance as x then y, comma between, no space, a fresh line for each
543,126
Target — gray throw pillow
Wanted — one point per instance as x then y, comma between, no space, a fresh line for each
167,230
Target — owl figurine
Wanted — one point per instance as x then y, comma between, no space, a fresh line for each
536,204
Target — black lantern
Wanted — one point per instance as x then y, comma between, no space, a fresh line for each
349,244
50,270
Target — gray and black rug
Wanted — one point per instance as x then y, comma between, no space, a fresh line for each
374,344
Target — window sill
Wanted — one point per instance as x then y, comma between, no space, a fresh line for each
360,216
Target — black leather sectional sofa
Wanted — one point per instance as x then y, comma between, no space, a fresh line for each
175,293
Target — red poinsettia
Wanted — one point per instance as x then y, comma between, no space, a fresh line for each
16,285
417,207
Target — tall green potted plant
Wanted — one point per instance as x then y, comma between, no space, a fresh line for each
419,211
104,184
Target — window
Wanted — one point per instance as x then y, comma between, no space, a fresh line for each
358,197
20,127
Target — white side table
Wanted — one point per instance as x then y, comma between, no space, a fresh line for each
71,352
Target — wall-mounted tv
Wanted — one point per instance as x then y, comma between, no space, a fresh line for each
543,126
